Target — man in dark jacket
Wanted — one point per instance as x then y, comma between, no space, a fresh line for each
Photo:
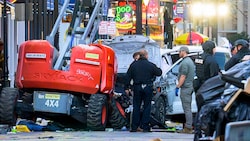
121,78
143,74
242,48
206,66
211,67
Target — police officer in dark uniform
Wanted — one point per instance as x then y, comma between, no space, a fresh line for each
211,67
121,78
206,66
242,48
143,74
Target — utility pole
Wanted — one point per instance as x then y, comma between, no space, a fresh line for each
168,27
5,40
215,24
138,17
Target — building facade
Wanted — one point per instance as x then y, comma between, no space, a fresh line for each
237,20
208,17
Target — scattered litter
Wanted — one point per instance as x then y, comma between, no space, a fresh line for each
173,126
13,130
42,122
109,129
156,139
22,128
27,126
124,128
4,128
171,129
49,137
68,129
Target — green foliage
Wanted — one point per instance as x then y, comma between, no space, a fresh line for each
235,36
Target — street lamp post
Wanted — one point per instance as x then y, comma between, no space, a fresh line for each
216,10
146,25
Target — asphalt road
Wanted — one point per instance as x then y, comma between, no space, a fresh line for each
96,136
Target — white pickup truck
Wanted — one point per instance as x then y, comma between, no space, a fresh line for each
170,65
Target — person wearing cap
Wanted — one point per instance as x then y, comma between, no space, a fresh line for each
242,47
185,82
205,65
211,67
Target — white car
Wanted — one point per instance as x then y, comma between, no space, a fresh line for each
170,66
164,100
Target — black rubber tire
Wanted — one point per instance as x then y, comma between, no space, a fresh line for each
117,116
160,113
27,100
8,99
97,112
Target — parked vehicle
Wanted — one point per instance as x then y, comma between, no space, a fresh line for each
125,47
168,81
172,55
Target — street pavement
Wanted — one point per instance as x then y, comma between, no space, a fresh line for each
96,136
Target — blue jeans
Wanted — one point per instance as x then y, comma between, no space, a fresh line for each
141,95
